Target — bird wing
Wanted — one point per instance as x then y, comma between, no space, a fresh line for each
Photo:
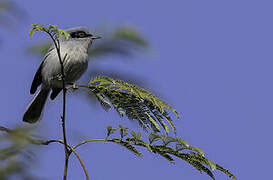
38,75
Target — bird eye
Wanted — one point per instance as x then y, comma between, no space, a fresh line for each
81,34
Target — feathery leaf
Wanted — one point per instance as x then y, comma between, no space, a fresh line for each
139,143
51,29
136,136
110,131
182,142
123,131
225,171
127,146
137,103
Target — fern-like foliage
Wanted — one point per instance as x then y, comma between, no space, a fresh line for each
16,153
133,101
51,29
182,150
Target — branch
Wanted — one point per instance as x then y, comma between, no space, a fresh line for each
58,49
73,150
47,142
92,140
55,34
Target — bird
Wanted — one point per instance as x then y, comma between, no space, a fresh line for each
49,76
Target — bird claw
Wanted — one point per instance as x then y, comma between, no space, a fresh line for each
75,86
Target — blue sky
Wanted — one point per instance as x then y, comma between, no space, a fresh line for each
212,60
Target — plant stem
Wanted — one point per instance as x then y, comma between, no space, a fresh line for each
67,153
78,156
47,142
87,141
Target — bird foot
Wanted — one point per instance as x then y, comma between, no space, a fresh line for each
75,86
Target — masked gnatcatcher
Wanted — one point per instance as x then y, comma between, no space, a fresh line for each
48,74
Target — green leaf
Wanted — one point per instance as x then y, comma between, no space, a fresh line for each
163,138
139,143
153,137
182,143
60,32
200,151
127,146
196,160
52,29
110,130
225,171
66,34
137,103
168,119
180,147
154,124
31,32
123,131
212,165
194,157
136,136
103,101
133,134
166,156
163,151
39,27
201,168
162,123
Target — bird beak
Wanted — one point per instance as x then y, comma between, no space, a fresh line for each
95,37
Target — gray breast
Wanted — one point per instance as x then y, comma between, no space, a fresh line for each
75,64
74,67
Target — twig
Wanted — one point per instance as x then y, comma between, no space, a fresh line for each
73,87
47,142
42,142
92,140
76,154
67,153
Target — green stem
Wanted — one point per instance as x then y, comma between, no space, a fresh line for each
73,87
78,156
92,140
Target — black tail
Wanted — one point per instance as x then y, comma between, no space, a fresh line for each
35,108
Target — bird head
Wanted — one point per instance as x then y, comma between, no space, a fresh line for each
81,33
